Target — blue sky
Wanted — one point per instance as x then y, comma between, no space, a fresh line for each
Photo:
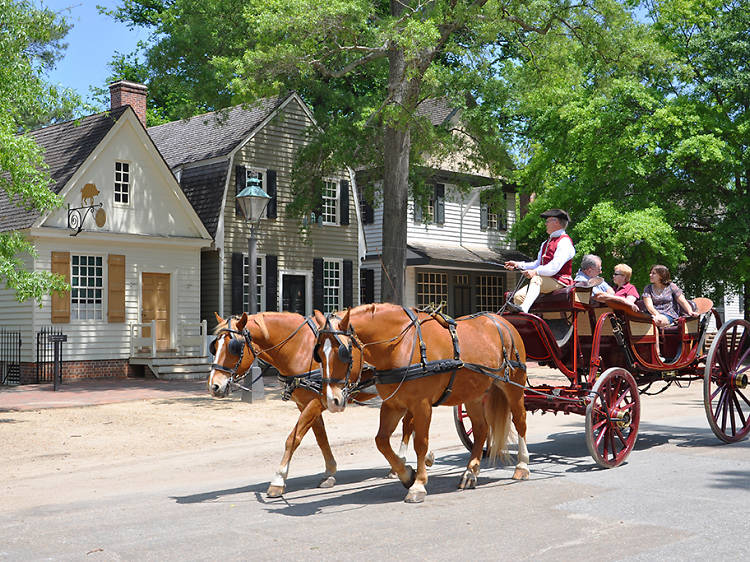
92,41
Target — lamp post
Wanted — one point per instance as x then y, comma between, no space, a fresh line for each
253,201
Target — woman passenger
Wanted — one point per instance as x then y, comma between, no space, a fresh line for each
623,287
663,299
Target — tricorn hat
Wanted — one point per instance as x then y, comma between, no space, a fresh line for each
557,213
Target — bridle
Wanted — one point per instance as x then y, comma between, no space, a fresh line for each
344,355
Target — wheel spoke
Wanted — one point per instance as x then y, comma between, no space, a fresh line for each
731,411
723,402
738,348
738,409
622,438
744,398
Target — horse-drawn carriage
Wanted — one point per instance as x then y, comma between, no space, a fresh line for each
610,354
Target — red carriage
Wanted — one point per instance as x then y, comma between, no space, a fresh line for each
610,355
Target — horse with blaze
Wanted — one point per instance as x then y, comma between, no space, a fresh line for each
286,341
389,338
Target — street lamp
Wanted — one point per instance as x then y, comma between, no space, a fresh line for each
253,201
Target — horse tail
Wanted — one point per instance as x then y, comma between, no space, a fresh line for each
497,413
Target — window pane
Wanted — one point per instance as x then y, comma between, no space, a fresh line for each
432,289
331,286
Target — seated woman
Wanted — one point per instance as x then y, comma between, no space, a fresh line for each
663,299
623,287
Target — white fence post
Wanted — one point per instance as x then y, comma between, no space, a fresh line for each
204,333
153,338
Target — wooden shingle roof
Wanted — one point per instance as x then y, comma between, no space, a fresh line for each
66,147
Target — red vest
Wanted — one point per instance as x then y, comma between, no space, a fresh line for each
565,275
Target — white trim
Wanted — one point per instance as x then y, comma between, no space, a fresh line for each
308,287
105,281
173,273
118,238
129,204
339,261
362,241
337,202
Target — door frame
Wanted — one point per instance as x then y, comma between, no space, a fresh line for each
172,299
308,287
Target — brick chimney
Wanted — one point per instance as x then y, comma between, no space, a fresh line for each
129,93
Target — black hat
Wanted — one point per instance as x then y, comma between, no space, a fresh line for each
557,213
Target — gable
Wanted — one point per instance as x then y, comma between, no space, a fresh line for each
155,205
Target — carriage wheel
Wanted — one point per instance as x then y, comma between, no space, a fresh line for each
725,384
463,427
612,417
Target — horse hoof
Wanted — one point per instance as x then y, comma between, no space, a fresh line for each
275,491
429,460
327,482
411,477
468,481
415,496
521,474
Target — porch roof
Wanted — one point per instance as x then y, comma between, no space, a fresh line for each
452,255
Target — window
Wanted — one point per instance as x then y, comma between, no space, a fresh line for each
260,174
330,208
490,289
86,286
259,280
331,285
492,220
122,183
432,289
240,185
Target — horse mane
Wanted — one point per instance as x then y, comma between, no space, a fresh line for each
258,319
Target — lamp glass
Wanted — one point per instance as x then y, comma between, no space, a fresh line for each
253,200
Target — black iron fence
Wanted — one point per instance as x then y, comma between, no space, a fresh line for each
45,354
10,356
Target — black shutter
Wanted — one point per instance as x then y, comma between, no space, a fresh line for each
271,190
368,213
240,182
439,203
367,280
318,283
238,285
272,282
348,279
483,216
344,201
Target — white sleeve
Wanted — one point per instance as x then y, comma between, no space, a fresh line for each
564,253
532,264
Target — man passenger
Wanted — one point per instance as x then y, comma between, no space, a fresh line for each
591,268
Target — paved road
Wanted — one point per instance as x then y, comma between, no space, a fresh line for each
681,496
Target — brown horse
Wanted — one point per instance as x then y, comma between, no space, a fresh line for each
284,340
390,338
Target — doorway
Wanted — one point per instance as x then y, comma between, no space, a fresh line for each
156,307
293,298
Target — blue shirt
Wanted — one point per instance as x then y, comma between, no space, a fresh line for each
602,287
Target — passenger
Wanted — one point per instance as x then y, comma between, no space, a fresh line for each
591,267
663,299
623,286
553,267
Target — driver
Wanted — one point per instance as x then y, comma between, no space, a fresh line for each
553,267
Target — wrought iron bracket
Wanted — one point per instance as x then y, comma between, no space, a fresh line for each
77,216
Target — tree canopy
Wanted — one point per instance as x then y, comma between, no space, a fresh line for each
30,43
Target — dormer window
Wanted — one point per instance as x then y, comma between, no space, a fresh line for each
122,183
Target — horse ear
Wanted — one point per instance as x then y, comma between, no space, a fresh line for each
242,321
319,318
219,319
258,319
344,324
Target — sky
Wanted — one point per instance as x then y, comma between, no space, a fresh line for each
92,41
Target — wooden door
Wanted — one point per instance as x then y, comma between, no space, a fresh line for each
293,294
156,307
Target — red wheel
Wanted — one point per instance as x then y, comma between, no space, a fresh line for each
725,392
612,417
463,427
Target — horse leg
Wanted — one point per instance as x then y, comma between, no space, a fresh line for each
518,412
421,419
475,410
309,414
406,433
389,418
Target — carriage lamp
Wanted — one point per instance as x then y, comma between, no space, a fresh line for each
252,201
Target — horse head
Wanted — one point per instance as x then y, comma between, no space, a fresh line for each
339,353
233,354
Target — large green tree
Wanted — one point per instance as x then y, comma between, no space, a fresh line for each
30,43
365,66
648,150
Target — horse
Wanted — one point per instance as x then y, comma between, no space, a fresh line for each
411,354
286,341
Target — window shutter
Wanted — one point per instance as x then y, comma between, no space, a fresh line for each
240,182
61,301
116,288
439,203
367,279
417,212
318,283
344,201
483,216
271,190
348,280
272,282
368,213
238,285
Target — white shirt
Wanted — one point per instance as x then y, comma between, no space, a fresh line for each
563,253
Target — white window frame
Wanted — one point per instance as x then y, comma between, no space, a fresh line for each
129,184
425,298
75,308
486,301
261,272
336,203
252,171
339,288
